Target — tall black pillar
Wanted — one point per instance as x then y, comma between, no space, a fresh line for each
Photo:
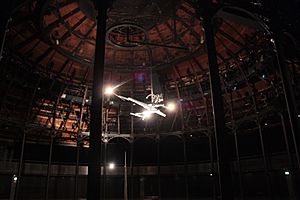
276,25
94,169
221,137
272,8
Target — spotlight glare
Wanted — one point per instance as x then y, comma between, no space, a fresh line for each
109,90
171,106
57,42
111,165
147,114
286,173
15,178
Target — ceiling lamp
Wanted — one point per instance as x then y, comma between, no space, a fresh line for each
111,166
109,90
171,106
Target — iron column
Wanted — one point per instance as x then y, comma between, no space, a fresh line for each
276,26
221,137
94,170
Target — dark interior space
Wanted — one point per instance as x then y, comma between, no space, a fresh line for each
149,99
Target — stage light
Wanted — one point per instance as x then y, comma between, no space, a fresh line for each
57,42
111,166
146,114
109,90
171,106
286,173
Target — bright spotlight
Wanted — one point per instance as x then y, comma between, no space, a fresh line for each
146,114
63,96
109,90
171,106
57,42
111,165
286,173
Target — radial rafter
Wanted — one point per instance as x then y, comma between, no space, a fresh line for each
232,39
54,24
70,31
43,55
190,28
163,42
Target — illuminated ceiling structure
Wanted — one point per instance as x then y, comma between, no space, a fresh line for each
151,47
58,38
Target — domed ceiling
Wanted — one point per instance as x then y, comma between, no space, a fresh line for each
59,36
158,44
